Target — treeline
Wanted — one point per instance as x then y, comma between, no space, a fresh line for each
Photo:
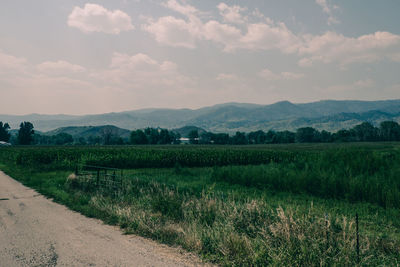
364,132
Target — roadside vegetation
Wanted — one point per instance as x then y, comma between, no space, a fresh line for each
275,205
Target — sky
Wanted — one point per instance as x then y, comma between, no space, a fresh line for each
79,57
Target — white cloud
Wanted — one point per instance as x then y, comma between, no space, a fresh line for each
142,72
224,34
328,9
173,32
262,36
271,76
334,47
185,33
96,18
269,35
59,67
364,83
231,14
10,63
184,9
129,80
226,77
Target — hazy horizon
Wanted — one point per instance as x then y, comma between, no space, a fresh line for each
80,58
180,108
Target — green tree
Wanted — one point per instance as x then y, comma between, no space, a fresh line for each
62,139
285,137
343,136
257,137
205,138
164,137
239,139
152,135
25,133
389,131
366,132
220,138
4,134
193,137
326,137
307,135
138,137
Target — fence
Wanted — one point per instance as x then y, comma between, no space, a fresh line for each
104,179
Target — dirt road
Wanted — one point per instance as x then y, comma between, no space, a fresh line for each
35,231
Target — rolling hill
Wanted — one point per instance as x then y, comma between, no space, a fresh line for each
330,115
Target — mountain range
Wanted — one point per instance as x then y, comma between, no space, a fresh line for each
330,115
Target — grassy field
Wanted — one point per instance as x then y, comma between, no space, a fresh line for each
244,206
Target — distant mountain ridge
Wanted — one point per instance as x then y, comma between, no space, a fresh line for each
330,115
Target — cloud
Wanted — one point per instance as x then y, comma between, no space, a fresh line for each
9,63
226,77
173,32
328,9
268,35
364,83
59,67
184,9
178,32
231,14
334,47
95,18
271,76
128,81
142,72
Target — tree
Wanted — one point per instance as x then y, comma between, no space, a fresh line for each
366,132
239,139
343,136
25,133
164,137
257,137
62,139
4,134
271,137
107,135
206,138
326,137
389,131
193,137
220,138
152,135
307,135
138,137
285,137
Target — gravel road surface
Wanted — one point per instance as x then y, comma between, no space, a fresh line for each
34,231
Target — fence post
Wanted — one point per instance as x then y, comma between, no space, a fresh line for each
358,240
98,178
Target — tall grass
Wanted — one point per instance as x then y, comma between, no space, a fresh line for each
352,175
241,231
